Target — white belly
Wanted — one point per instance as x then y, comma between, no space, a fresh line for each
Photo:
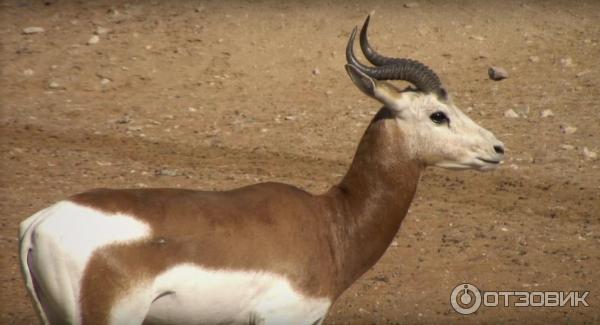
194,295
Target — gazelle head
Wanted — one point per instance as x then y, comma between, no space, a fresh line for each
436,131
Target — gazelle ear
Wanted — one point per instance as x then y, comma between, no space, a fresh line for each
377,90
365,83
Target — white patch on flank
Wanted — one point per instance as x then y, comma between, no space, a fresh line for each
62,239
189,294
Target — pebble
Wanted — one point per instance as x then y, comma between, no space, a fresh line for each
93,40
316,71
478,38
582,73
411,5
566,62
497,73
329,92
166,172
104,81
394,244
547,113
101,30
28,72
510,113
588,154
534,59
33,30
567,129
124,120
567,147
53,85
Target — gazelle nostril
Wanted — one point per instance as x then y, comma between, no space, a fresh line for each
499,149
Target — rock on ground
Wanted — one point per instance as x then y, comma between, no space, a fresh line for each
497,73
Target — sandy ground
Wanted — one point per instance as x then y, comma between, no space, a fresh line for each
218,95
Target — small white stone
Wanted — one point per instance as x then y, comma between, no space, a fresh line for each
510,113
53,85
478,38
588,154
329,92
534,59
504,229
166,172
28,72
101,30
547,113
33,30
394,244
567,129
290,118
105,81
93,40
566,62
582,73
192,109
316,71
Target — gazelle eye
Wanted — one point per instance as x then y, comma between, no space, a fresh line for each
439,118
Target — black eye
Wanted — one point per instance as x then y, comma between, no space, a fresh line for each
439,118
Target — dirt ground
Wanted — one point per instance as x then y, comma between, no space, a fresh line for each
214,95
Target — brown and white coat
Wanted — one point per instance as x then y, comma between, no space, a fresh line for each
263,254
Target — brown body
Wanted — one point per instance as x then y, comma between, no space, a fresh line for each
321,243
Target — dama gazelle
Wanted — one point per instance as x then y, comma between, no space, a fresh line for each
263,254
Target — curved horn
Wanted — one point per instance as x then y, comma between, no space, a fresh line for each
409,70
373,57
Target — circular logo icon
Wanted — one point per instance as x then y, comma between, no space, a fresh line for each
465,298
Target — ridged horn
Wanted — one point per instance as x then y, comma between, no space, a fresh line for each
387,68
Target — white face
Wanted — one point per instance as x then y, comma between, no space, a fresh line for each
436,132
439,134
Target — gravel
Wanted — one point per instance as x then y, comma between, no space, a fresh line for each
497,73
510,113
33,30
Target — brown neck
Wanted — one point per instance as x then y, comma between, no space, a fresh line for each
371,201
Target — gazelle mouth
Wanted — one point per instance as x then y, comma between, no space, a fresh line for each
495,162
